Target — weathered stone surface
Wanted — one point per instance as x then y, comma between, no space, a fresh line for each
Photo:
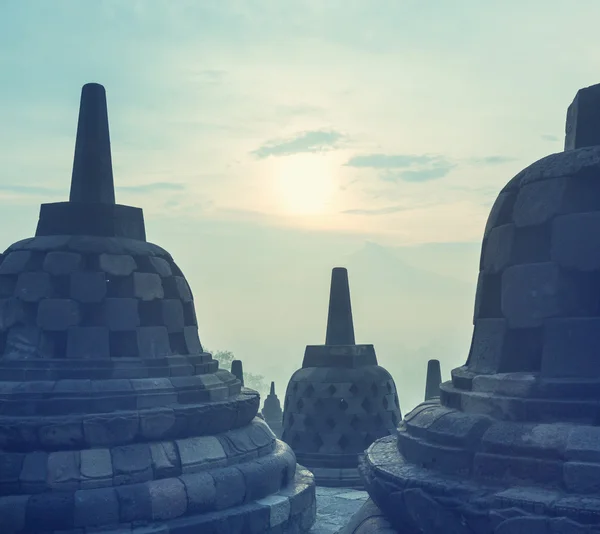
583,117
172,315
15,262
58,314
59,263
168,498
192,341
132,463
197,453
96,468
117,264
63,470
91,342
538,202
33,287
201,492
161,266
165,460
147,286
498,249
576,241
96,507
121,314
153,342
88,286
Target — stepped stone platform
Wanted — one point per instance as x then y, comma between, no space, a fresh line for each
113,419
340,401
513,444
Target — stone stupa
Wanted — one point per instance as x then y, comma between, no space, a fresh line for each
514,445
340,401
272,412
112,417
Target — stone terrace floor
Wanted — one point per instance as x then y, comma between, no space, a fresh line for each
335,507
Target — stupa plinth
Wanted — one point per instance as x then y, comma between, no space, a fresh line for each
272,412
340,401
514,444
113,419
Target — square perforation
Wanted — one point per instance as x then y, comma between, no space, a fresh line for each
124,344
119,286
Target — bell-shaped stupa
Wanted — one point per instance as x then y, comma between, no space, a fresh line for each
514,444
272,412
341,400
112,417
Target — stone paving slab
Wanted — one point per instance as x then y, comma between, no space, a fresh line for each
335,507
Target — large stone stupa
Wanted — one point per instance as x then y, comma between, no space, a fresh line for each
340,401
513,447
112,417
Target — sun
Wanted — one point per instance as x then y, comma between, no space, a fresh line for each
304,183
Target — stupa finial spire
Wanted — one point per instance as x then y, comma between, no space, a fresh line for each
340,328
272,392
92,179
433,380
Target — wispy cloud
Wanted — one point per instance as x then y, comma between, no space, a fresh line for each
315,141
151,188
419,167
492,160
550,137
377,211
30,190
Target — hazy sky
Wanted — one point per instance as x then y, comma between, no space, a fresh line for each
269,140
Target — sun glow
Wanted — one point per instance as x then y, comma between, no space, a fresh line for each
304,184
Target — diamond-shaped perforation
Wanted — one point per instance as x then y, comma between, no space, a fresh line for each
300,405
309,391
366,405
330,421
374,390
331,389
353,389
317,441
343,405
389,387
343,442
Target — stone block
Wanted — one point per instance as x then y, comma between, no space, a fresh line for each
117,264
33,286
111,429
96,507
132,463
498,248
538,202
168,498
172,315
153,342
531,293
63,470
88,286
279,509
57,509
487,345
583,116
61,434
59,263
157,424
15,262
569,348
262,476
121,314
581,477
501,212
58,314
165,460
583,444
34,472
183,289
134,502
192,341
11,313
161,266
576,241
147,286
201,492
230,487
198,453
12,513
88,342
96,468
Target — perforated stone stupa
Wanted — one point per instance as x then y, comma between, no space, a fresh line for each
112,417
514,446
272,412
341,400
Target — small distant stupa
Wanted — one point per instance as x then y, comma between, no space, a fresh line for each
272,412
433,380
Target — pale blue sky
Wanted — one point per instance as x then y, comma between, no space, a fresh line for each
267,141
